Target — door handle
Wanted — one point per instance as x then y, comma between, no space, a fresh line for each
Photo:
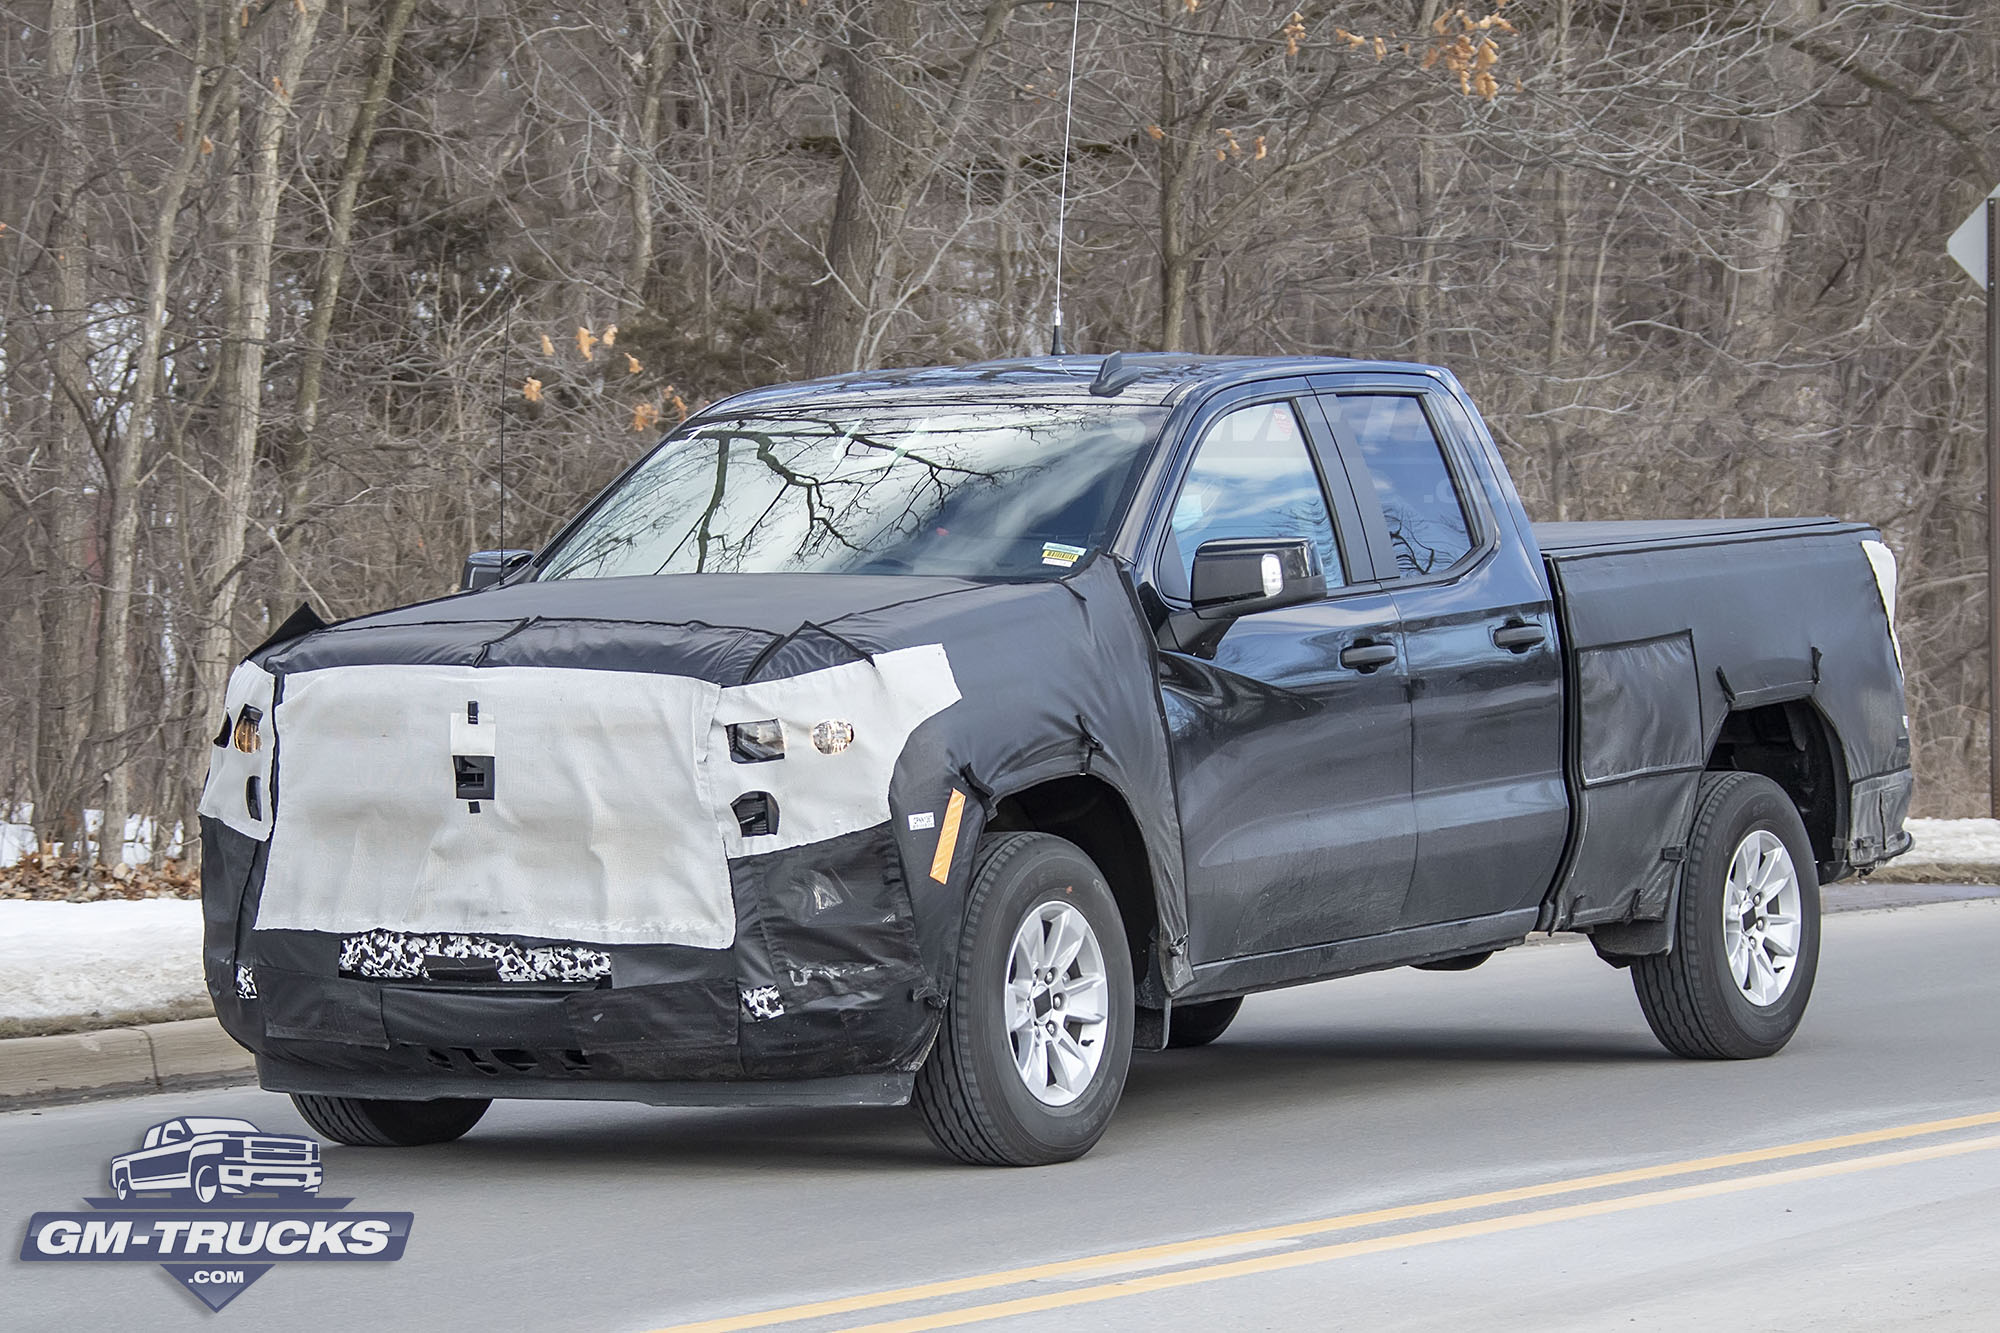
1366,657
1518,637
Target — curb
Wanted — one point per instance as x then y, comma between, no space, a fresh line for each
119,1062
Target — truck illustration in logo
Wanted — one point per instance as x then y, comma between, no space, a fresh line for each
207,1157
217,1203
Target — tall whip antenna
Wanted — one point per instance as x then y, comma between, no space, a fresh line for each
506,351
1056,347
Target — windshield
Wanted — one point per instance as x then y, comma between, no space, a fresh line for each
980,490
216,1125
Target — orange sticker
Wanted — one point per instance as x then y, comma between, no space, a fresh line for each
948,837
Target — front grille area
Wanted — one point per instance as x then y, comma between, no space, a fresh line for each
495,1062
390,955
279,1150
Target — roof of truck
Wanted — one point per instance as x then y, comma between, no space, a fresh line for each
1155,377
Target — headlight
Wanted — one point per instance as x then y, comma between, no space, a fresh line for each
756,742
247,738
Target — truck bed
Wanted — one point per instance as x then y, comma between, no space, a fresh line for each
1673,626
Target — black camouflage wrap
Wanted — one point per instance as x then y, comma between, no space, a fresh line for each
843,948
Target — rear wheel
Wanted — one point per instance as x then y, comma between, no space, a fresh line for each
1746,944
368,1122
1191,1025
1031,1059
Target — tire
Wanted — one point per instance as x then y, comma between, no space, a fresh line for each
366,1122
1698,1002
974,1095
1191,1025
207,1185
121,1184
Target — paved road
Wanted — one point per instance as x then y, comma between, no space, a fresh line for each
1410,1149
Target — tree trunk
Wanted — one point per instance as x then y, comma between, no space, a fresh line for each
250,262
658,58
326,296
878,179
125,463
1544,398
64,723
1757,326
886,159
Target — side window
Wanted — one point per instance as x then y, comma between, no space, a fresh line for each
1252,477
1420,501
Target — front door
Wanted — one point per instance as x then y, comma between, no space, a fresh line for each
1292,766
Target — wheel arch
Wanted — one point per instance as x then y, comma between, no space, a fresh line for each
1094,814
1795,745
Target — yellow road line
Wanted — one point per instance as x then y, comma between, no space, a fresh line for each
1175,1250
1188,1277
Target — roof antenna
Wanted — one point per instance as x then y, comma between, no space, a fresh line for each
506,349
1056,347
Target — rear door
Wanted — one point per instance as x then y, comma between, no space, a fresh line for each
1292,767
1485,675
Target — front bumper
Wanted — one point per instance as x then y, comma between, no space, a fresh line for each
270,1175
825,980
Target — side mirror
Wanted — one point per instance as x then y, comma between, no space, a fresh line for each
1242,575
484,568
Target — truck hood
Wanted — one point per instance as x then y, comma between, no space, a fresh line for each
721,628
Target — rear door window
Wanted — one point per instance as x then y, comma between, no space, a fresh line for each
1426,515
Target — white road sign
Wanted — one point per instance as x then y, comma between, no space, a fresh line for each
1968,244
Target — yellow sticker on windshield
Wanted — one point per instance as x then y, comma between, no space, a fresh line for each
1055,553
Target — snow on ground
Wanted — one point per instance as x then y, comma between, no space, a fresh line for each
17,836
67,960
1973,841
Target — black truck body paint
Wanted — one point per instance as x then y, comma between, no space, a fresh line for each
1525,760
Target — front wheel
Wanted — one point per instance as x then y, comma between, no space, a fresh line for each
1031,1059
207,1185
1746,945
370,1122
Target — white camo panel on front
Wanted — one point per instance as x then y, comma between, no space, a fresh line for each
610,821
230,769
600,828
822,796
